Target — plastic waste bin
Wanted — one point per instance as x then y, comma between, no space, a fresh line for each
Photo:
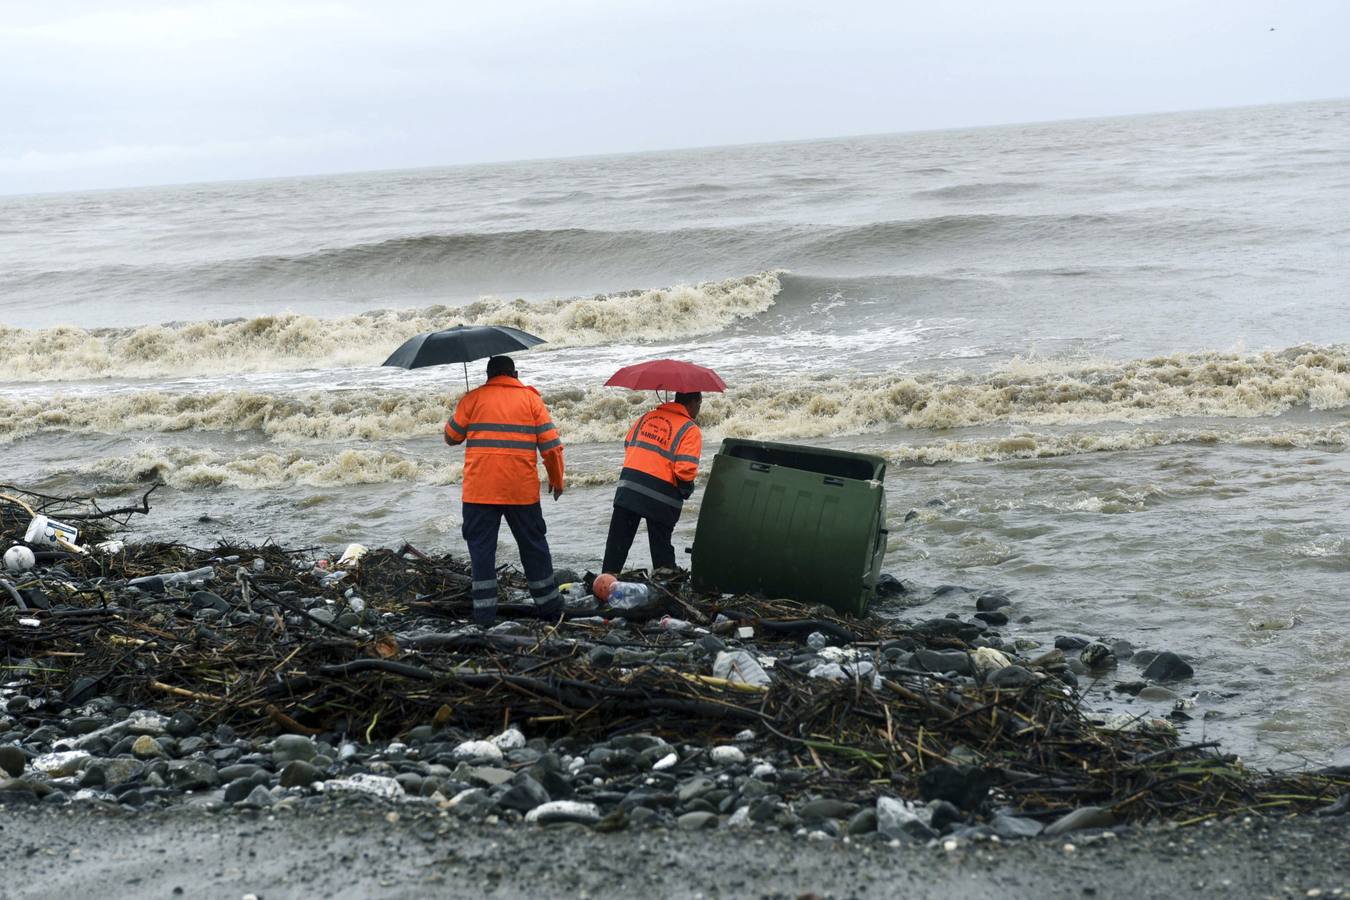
790,521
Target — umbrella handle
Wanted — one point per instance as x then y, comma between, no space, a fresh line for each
466,377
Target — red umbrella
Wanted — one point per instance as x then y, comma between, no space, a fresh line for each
667,375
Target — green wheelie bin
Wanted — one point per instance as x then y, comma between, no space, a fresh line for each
795,522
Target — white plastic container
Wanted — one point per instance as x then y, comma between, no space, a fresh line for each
50,532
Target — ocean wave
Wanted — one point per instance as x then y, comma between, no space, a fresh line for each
1033,445
195,469
188,469
464,263
980,190
293,341
1027,392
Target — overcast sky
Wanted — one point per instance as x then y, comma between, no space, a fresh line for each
124,92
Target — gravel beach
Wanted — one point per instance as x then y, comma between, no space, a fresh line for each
356,847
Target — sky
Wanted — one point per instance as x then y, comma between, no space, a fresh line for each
131,92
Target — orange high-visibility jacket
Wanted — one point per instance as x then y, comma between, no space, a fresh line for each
665,443
502,424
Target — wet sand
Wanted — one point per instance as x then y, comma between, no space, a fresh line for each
350,848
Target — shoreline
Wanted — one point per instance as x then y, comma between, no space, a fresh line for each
153,684
359,848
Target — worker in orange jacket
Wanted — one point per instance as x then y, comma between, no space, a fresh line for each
660,463
502,425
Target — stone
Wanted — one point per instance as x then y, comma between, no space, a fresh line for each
239,770
299,773
1069,643
964,786
727,755
693,788
902,820
38,789
943,814
510,739
957,661
181,725
146,747
524,794
289,747
478,751
1098,656
1009,827
238,789
1011,677
642,815
556,811
1083,817
826,808
12,760
111,772
472,803
993,618
260,797
765,809
193,774
864,821
83,725
1167,666
696,821
988,601
488,776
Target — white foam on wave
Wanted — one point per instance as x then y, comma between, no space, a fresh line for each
295,341
1027,393
188,469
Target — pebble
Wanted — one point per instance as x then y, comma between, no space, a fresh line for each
1167,666
299,773
481,751
564,811
259,797
12,760
727,755
902,820
524,794
827,808
696,821
289,747
146,747
510,739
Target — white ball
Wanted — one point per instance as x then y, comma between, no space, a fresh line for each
19,559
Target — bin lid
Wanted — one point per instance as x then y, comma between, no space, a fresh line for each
821,460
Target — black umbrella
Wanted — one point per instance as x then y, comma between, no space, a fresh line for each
460,344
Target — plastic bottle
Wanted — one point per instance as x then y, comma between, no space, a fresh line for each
628,595
670,623
159,582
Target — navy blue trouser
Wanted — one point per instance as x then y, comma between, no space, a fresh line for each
482,521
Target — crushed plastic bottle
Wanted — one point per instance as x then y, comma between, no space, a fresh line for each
670,623
740,666
628,595
574,594
160,582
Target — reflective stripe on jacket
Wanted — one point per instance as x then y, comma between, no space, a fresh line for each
660,461
502,425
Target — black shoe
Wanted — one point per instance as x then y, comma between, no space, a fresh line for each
550,610
484,616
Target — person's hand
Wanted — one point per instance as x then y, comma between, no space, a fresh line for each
557,492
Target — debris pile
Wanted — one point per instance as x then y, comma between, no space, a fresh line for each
255,675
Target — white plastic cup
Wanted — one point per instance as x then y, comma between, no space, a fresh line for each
43,530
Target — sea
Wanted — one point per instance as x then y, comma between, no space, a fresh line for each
1107,362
